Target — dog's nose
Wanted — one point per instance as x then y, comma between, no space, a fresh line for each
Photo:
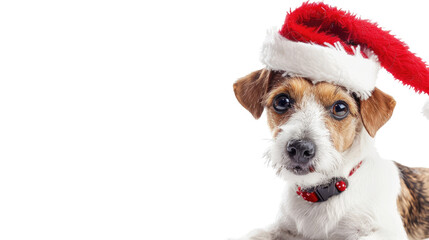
301,151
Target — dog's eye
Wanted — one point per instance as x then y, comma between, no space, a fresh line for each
282,103
340,110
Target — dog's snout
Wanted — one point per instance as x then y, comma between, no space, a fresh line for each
301,151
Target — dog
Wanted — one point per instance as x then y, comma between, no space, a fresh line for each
337,185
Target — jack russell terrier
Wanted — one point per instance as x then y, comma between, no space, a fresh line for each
324,110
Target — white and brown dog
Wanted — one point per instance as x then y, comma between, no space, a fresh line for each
338,187
318,89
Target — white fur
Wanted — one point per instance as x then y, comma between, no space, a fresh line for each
426,109
366,210
322,63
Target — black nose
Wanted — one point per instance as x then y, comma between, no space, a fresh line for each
301,151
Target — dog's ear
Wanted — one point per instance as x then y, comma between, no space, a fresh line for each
376,111
251,89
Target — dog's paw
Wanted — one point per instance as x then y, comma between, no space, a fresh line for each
257,234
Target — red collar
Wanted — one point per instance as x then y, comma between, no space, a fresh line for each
323,192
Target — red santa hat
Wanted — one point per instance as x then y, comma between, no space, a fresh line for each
323,43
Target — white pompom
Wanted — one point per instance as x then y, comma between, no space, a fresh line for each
426,109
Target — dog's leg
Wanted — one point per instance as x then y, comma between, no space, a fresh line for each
272,233
385,234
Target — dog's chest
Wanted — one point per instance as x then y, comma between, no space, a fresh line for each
333,219
365,206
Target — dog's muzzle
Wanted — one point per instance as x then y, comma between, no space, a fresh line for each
300,152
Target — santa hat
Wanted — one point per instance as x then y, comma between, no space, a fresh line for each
323,43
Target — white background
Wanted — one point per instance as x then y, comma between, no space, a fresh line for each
118,119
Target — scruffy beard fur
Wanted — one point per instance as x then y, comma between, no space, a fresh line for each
368,209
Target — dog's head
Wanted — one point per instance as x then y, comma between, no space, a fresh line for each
314,126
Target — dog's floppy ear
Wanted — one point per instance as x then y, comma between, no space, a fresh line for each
376,111
251,89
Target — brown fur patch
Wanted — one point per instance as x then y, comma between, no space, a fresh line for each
251,89
295,87
413,201
342,132
376,111
328,94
